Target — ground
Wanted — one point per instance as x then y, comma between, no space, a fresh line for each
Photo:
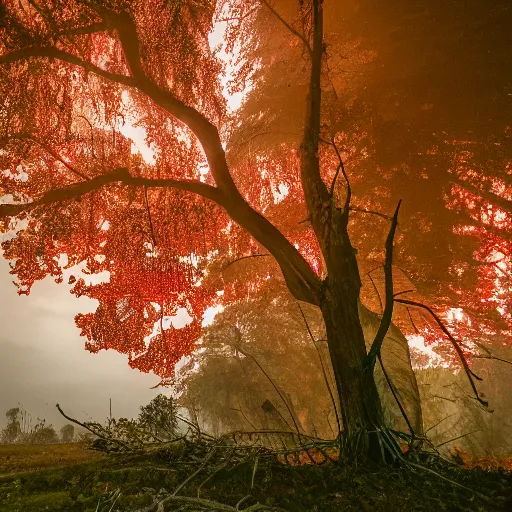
71,477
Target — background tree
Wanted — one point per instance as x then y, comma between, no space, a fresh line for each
42,434
12,430
159,417
261,349
67,433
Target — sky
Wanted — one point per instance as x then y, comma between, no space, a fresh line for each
43,360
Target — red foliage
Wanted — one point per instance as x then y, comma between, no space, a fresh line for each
149,250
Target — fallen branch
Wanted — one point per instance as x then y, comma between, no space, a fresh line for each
96,433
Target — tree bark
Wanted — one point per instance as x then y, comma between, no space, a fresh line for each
360,402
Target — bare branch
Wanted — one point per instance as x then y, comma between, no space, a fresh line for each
369,274
150,220
455,344
388,308
494,358
323,370
371,212
395,396
349,189
244,258
288,26
274,385
93,431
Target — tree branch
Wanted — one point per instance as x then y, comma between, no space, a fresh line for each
387,316
54,53
48,149
300,278
315,191
122,175
244,258
288,26
395,396
489,196
81,31
470,374
349,188
371,212
93,431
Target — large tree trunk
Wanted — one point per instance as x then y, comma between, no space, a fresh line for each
360,403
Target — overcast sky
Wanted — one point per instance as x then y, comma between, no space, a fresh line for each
43,360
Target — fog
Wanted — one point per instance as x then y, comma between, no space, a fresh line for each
43,360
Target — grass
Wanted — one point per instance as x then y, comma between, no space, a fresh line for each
71,478
15,458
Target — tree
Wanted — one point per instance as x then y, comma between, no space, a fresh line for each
158,418
67,433
42,434
12,431
429,130
72,74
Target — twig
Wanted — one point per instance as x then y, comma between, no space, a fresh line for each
288,26
92,134
244,258
395,396
84,425
149,218
323,370
349,188
208,456
377,291
458,437
47,148
493,357
403,292
274,386
438,423
371,212
416,330
195,427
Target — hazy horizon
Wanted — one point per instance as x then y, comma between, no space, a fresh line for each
43,360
